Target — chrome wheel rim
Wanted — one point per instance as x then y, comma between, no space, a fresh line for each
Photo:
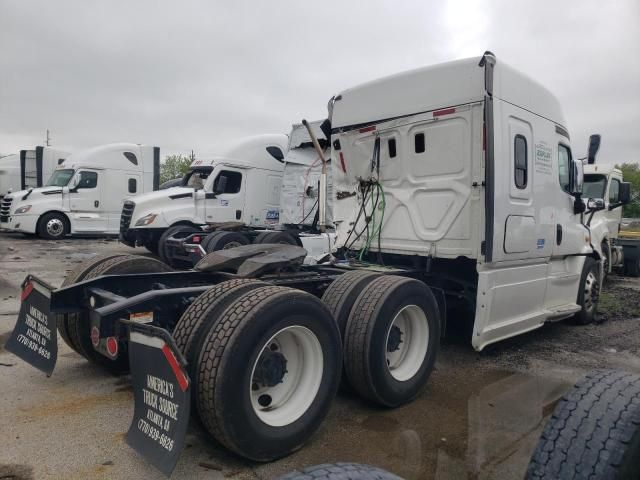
55,227
591,291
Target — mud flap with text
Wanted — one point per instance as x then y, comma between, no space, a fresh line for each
162,396
34,338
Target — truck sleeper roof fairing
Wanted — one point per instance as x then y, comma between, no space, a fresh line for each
445,85
250,151
116,156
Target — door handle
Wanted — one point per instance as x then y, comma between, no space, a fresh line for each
558,234
96,203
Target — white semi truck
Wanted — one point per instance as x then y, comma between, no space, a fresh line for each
605,187
85,192
29,169
239,186
456,199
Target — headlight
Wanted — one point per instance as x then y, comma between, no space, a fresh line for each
20,210
146,220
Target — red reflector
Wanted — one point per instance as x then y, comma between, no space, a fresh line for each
367,129
28,288
342,164
446,111
95,336
196,239
112,346
173,362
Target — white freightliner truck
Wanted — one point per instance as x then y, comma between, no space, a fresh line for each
605,187
456,199
29,169
85,192
298,219
241,185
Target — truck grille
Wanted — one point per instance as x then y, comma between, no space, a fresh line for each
125,217
5,208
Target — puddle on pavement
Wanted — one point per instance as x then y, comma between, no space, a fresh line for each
465,425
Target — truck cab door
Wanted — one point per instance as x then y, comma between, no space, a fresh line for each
85,201
225,203
614,217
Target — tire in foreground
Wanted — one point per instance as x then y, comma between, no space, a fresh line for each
594,431
268,372
391,340
340,471
78,324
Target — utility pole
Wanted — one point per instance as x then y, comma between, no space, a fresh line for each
48,140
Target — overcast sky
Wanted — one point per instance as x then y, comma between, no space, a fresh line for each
194,74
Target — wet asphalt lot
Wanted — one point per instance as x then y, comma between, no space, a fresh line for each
479,416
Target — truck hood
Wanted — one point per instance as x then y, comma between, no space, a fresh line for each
148,199
17,196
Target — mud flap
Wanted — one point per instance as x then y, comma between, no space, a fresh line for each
34,338
162,395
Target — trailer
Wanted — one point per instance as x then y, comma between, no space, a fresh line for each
29,168
457,201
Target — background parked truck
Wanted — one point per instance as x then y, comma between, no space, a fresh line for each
29,168
241,186
84,194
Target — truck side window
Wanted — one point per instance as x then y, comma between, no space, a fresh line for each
234,181
614,191
564,163
392,147
88,180
419,141
520,160
133,185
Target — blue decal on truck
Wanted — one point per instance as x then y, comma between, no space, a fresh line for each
540,243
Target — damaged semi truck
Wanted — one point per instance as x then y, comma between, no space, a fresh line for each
456,199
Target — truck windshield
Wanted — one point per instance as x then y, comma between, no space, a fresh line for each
594,186
197,177
60,178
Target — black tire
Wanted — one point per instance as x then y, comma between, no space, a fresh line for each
210,237
152,247
340,471
189,333
277,237
225,240
342,293
260,237
75,276
46,225
225,375
588,292
368,333
632,267
79,326
594,431
163,251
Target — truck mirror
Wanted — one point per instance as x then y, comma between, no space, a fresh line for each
221,185
594,146
595,204
73,183
576,177
625,193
